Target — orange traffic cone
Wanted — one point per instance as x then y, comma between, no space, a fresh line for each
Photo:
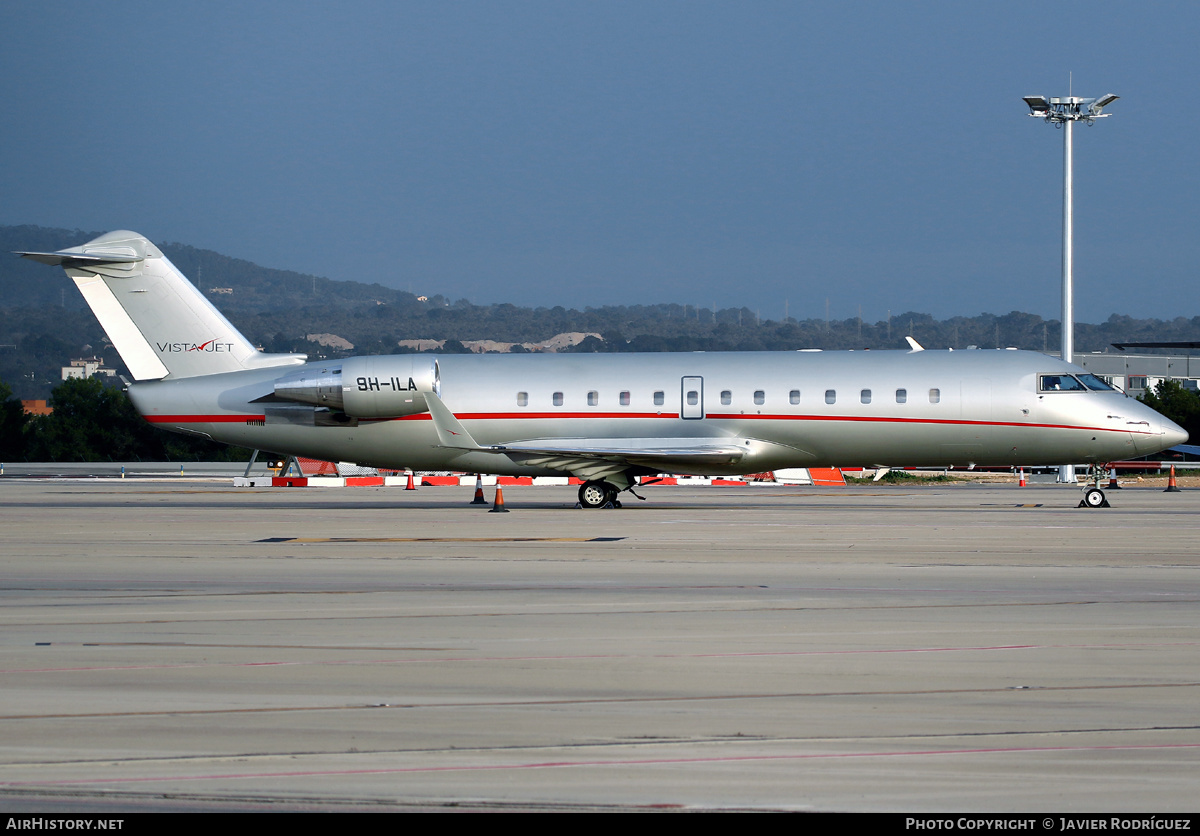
1112,479
1171,486
410,486
479,499
499,508
1021,480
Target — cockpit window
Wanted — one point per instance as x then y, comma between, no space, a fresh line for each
1094,383
1059,383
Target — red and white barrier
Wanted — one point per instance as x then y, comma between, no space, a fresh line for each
795,476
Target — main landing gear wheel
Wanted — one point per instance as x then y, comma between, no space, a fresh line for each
597,494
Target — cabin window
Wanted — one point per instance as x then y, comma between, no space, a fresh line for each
865,396
901,396
658,398
830,396
624,399
726,397
522,399
935,395
759,396
557,398
794,396
693,397
593,398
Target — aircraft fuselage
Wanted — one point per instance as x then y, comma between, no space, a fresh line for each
788,409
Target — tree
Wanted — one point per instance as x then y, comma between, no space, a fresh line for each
96,422
1177,403
90,422
12,425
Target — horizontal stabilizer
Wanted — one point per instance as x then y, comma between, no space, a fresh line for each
66,258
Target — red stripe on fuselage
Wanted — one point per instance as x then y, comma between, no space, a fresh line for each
511,416
514,416
940,421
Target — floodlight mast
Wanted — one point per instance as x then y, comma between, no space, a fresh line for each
1064,112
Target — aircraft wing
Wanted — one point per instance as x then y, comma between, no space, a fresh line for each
592,458
596,459
589,458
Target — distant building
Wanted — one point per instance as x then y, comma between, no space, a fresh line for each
36,408
556,343
330,341
84,368
1135,373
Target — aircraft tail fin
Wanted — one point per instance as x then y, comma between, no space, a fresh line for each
161,325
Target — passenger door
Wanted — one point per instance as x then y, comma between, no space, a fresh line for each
691,398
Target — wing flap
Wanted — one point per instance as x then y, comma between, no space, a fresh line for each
633,450
595,459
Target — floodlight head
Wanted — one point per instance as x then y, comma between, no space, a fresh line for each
1099,104
1038,105
1061,109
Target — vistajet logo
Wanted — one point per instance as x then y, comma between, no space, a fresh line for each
212,347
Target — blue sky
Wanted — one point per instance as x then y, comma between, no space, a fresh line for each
556,153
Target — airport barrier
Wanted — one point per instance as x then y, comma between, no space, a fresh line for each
794,476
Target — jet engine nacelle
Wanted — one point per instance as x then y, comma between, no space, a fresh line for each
365,387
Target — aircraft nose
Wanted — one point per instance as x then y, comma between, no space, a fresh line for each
1152,432
1172,433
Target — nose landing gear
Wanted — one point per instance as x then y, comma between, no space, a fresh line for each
1093,497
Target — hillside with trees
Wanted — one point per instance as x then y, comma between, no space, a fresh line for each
44,322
